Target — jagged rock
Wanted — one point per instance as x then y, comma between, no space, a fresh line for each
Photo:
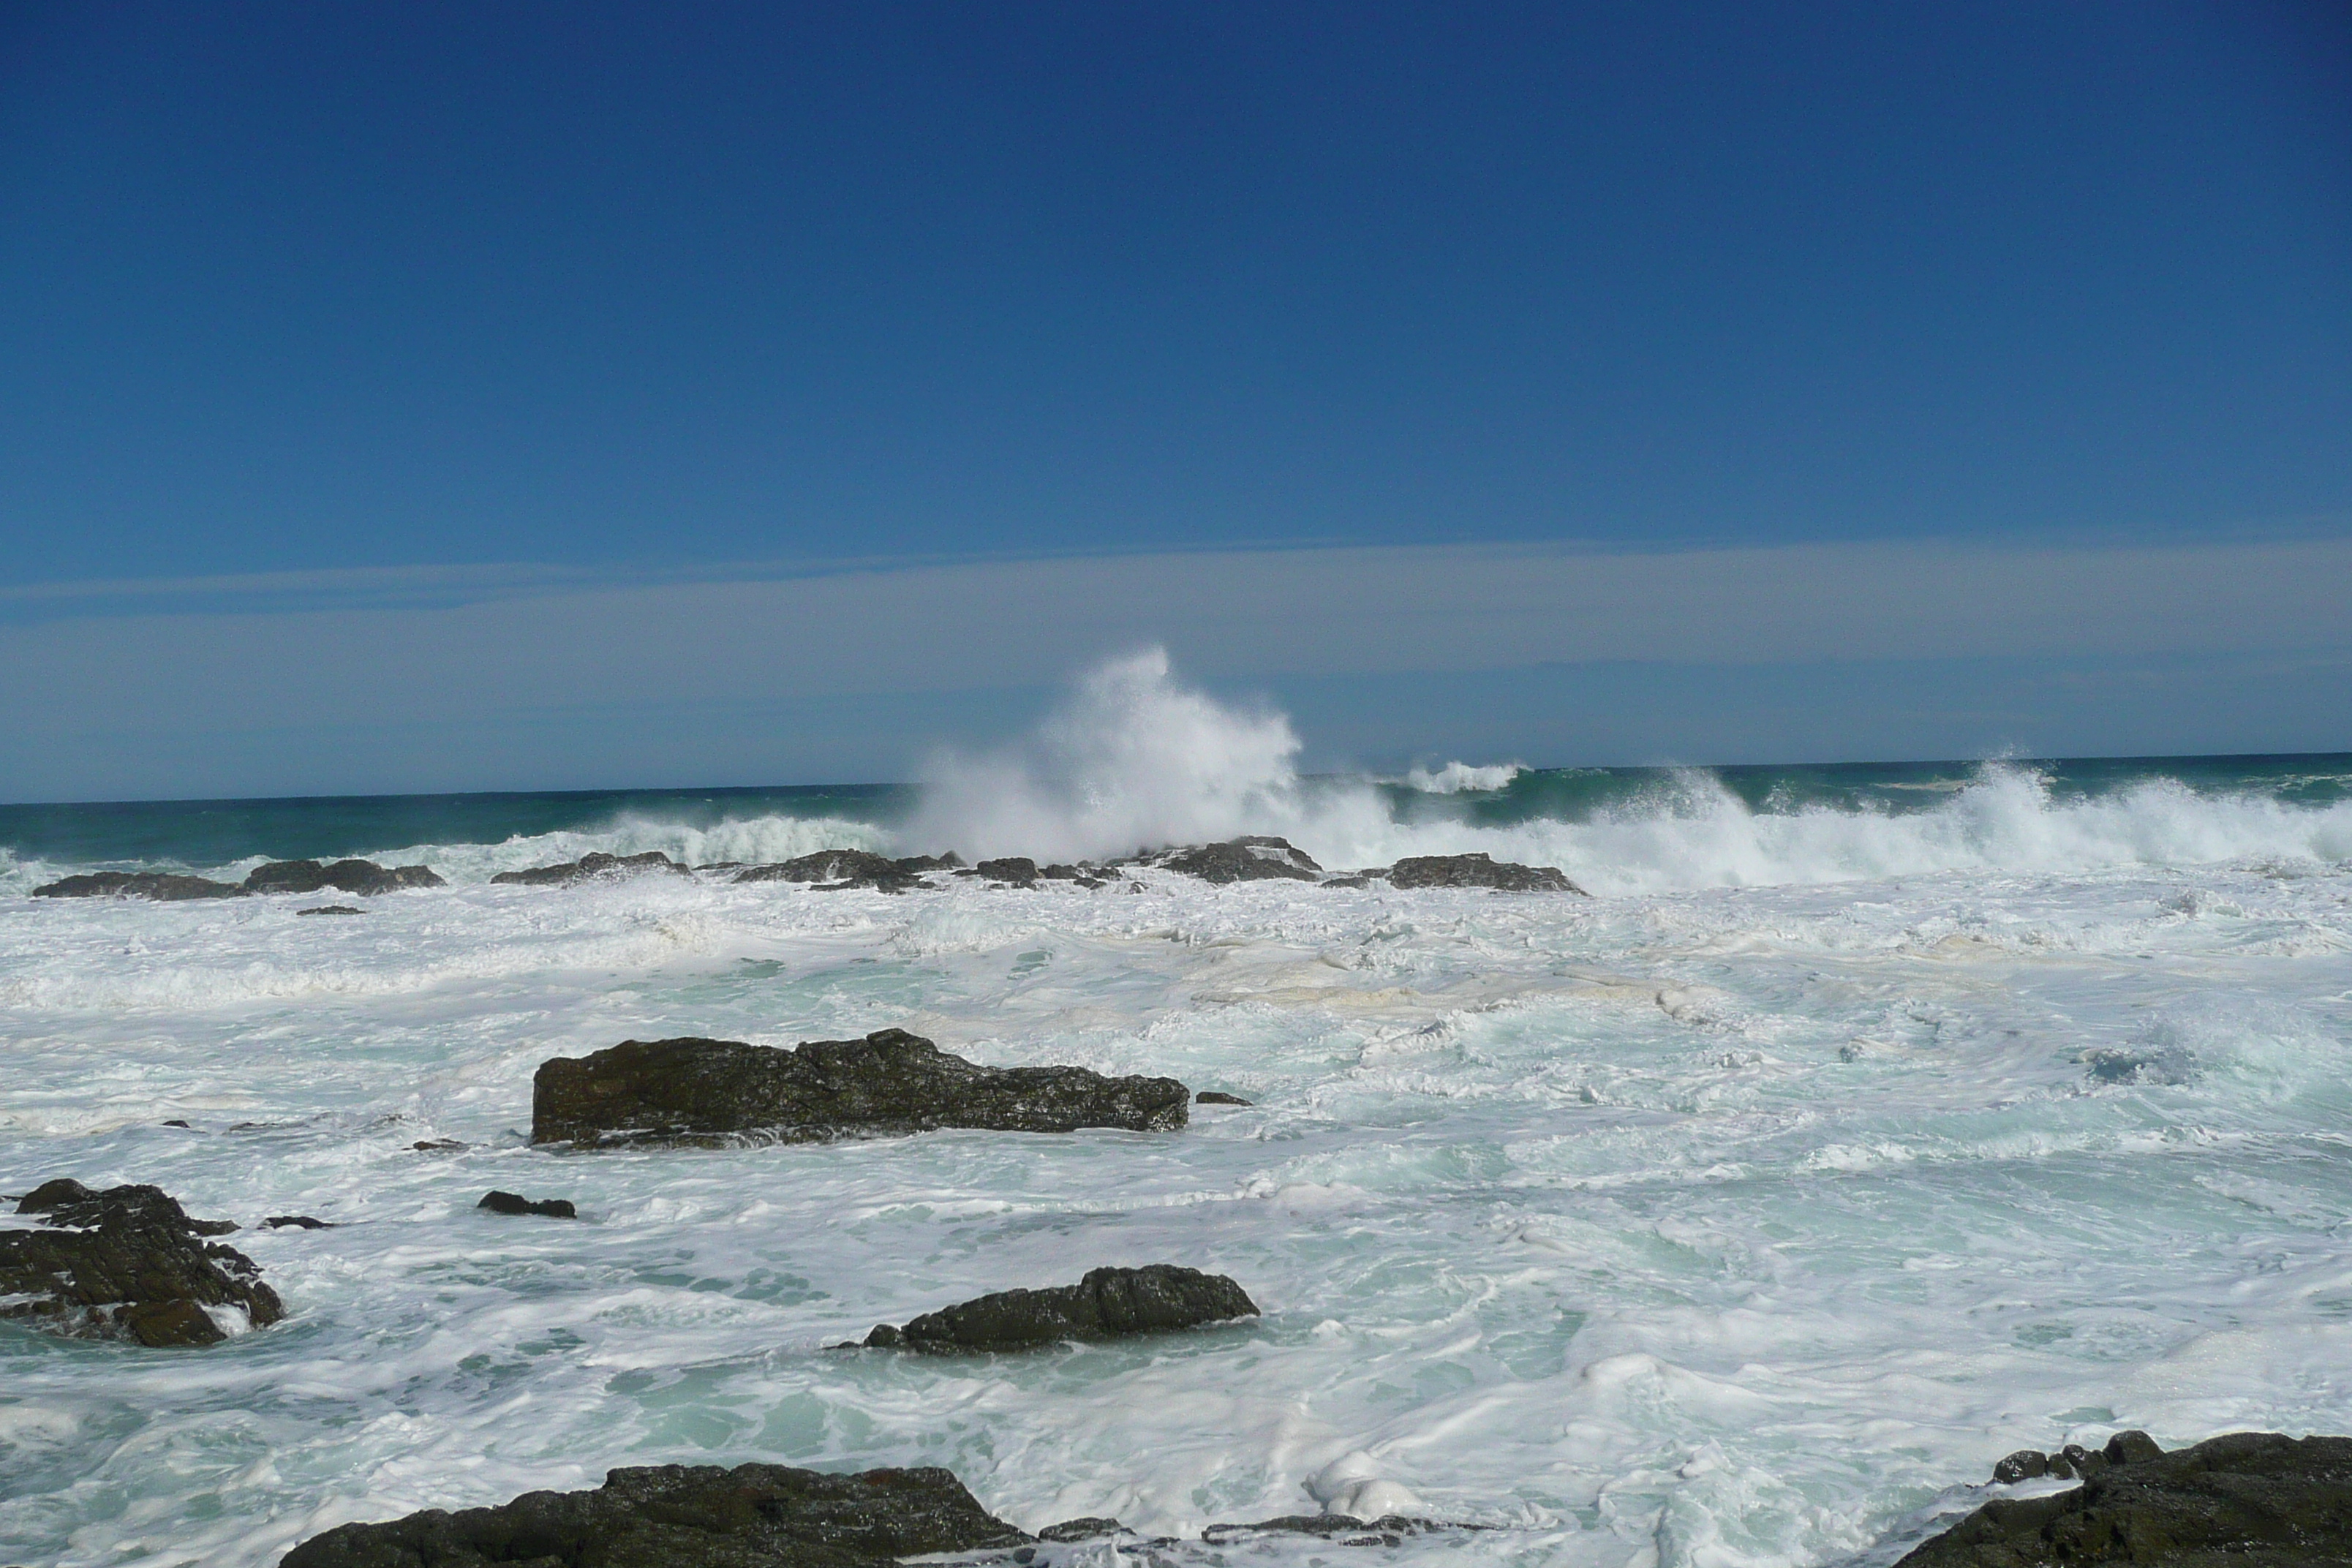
362,876
515,1203
836,868
1109,1303
1092,1528
1478,871
126,1263
437,1145
2244,1499
298,1222
686,1516
163,887
1218,1096
914,865
1254,858
330,910
593,865
712,1091
1016,868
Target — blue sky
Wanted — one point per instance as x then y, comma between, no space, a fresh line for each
323,326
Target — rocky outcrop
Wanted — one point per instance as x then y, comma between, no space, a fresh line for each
593,864
363,877
836,869
163,887
890,1082
1218,1096
1018,870
1478,871
1108,1304
126,1263
515,1203
2247,1498
686,1516
1251,860
331,909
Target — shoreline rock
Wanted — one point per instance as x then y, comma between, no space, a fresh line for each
126,1263
832,870
1108,1304
362,876
687,1516
591,865
163,886
2243,1497
1478,869
515,1203
692,1090
1251,859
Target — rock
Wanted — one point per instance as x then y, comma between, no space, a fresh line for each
837,867
175,1122
344,875
437,1145
2025,1465
1218,1096
161,885
297,1221
330,910
1016,869
1088,1529
2244,1499
1251,860
1477,871
596,865
713,1091
686,1516
1109,1303
129,1264
915,865
514,1203
1342,1530
1358,881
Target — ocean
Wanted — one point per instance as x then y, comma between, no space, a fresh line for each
1865,1123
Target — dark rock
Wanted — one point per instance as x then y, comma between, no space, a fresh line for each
1090,1528
1016,869
344,875
596,865
126,1263
686,1516
840,868
1218,1096
285,876
1477,871
437,1145
914,865
1346,881
713,1091
1250,859
2244,1499
514,1203
330,910
2025,1465
297,1221
1338,1528
1109,1303
161,885
175,1122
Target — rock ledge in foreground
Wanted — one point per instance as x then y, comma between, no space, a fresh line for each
2229,1502
1478,871
1109,1303
891,1082
126,1263
686,1516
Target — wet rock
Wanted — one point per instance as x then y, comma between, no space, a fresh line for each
1340,1529
1109,1303
297,1222
686,1516
515,1203
915,865
1218,1096
1478,871
587,865
126,1263
1018,870
437,1145
1251,860
836,869
174,1122
161,885
1088,1529
713,1091
364,876
330,910
2246,1498
1346,881
2025,1465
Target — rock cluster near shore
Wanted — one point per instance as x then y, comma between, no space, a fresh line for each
362,876
696,1090
126,1263
588,866
1109,1303
2246,1498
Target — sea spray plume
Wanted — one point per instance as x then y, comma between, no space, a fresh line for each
1131,758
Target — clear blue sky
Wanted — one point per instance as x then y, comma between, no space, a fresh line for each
619,294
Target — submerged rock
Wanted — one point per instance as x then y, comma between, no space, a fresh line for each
126,1263
1340,1529
709,1091
1218,1096
595,864
1109,1303
515,1203
2246,1498
2167,1065
838,868
1254,858
686,1516
363,877
163,887
1478,871
330,910
915,865
1094,1527
297,1222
